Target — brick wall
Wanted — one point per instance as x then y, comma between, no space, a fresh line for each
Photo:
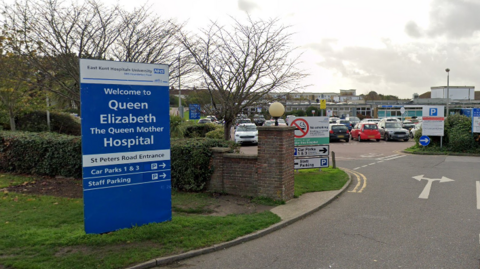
269,174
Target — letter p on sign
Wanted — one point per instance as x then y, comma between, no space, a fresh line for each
433,112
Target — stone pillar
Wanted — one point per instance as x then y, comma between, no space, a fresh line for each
276,162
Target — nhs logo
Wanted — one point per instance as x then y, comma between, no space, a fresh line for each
433,112
158,71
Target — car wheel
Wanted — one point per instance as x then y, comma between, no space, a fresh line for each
346,140
386,137
411,135
406,140
378,140
359,139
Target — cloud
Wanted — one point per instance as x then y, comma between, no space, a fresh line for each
401,69
453,19
413,30
247,6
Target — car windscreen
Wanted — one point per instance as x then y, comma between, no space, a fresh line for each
339,127
246,128
393,125
344,122
370,127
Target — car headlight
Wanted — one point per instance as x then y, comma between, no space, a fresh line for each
237,135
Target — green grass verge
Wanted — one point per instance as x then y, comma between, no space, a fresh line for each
313,180
48,232
13,180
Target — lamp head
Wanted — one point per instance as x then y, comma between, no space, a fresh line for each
447,70
276,110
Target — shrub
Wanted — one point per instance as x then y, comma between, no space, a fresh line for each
61,123
218,133
48,154
177,126
191,169
460,141
198,130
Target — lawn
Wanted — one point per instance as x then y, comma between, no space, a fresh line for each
38,231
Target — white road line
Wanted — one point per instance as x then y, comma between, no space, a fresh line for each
372,163
386,157
356,168
365,166
478,194
394,158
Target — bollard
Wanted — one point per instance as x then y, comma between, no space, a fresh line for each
333,160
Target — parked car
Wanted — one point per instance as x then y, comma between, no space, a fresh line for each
365,131
204,121
289,119
370,120
392,130
408,125
258,119
353,120
241,120
332,120
346,123
269,123
212,118
246,133
281,122
415,130
338,131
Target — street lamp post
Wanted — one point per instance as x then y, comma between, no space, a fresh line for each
276,110
448,88
180,107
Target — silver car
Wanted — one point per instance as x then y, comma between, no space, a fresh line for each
392,130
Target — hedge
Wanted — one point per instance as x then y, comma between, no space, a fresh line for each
36,121
49,154
191,168
52,154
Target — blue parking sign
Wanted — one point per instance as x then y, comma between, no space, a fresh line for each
433,112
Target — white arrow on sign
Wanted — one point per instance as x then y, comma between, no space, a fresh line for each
426,190
424,140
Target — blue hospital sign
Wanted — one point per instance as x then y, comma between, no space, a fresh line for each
125,144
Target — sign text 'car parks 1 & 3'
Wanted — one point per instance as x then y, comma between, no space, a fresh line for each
125,144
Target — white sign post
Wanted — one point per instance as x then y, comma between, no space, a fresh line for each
433,121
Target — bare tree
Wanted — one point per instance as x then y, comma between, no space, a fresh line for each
145,38
241,64
58,33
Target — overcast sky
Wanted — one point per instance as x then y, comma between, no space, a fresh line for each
391,47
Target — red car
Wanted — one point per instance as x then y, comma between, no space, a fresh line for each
365,131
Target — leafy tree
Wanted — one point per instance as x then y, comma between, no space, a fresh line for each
243,63
18,92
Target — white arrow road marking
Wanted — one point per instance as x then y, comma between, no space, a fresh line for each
478,194
426,191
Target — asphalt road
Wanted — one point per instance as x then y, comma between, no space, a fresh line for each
401,211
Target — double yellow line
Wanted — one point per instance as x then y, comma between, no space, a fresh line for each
360,177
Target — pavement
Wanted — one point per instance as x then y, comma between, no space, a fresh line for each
292,211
